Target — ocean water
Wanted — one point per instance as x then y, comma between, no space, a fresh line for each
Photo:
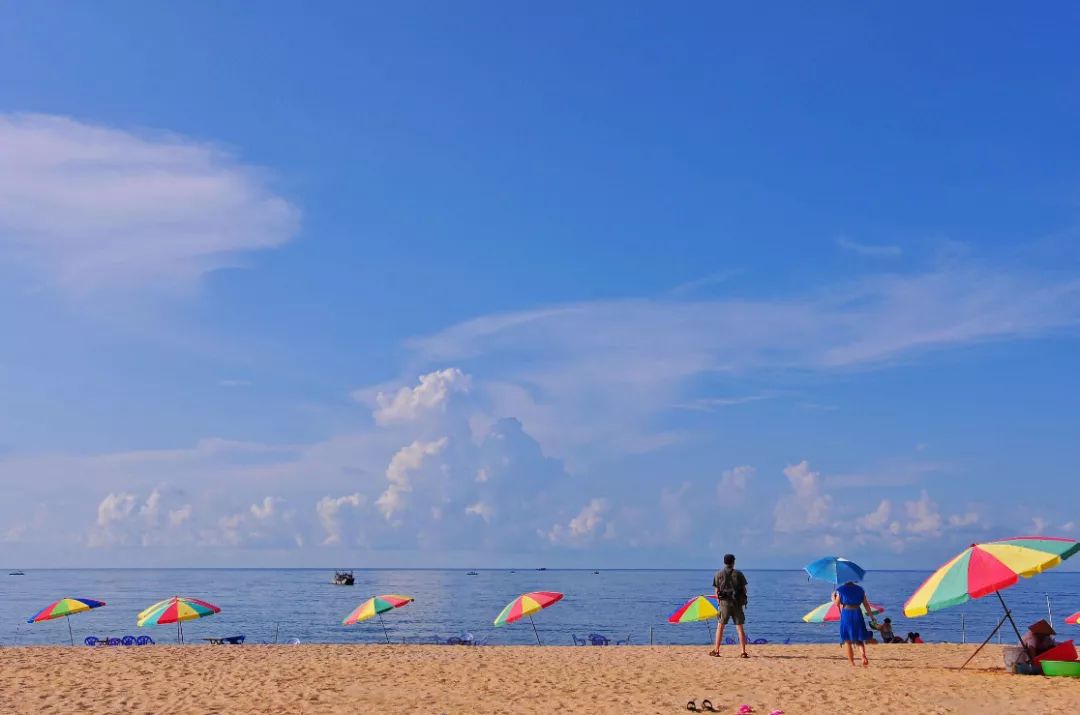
300,604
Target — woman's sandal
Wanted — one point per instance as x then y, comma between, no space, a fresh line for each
692,707
714,653
744,655
707,706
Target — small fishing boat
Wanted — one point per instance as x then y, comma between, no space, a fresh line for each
343,578
472,573
16,573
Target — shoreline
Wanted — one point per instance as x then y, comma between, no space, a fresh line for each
339,678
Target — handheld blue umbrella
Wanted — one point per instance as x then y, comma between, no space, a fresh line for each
836,570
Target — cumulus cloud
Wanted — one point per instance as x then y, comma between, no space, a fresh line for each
328,510
407,460
432,394
733,483
93,208
583,527
266,524
877,519
807,506
923,516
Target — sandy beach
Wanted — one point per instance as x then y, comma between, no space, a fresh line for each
432,679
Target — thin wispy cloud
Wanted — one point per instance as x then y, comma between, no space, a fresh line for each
869,249
92,209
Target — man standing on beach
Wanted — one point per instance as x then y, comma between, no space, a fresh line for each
730,585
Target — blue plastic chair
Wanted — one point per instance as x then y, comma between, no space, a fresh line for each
597,639
579,641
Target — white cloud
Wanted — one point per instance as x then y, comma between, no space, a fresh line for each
265,524
877,519
328,510
481,509
432,394
600,372
867,249
583,527
94,209
180,515
407,460
115,507
807,506
733,483
923,516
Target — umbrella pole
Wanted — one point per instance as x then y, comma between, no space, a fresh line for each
535,632
385,632
70,636
988,639
1008,614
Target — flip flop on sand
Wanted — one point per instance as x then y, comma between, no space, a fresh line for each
745,710
692,707
714,653
707,706
744,655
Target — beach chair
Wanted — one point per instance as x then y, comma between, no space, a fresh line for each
90,641
624,642
144,640
597,639
579,641
127,641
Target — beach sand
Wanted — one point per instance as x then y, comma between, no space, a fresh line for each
446,679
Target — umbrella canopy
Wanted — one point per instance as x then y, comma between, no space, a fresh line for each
698,608
836,570
982,569
374,606
65,607
175,610
828,613
527,604
1074,619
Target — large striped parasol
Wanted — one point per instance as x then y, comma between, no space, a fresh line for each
526,605
829,613
176,610
376,606
988,568
63,608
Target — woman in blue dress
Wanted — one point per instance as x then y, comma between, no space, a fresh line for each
851,599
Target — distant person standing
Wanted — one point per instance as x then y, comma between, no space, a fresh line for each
730,586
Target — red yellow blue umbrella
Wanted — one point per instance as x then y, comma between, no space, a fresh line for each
526,605
376,606
828,613
63,608
698,608
176,610
987,568
1074,619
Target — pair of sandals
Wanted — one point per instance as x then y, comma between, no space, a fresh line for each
716,654
706,707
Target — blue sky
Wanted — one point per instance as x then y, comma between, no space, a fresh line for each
619,285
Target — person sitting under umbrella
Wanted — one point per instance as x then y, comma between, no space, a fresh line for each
885,629
1039,638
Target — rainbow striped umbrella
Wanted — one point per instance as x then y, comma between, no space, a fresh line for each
176,610
376,606
63,608
1074,619
829,613
982,569
526,605
698,608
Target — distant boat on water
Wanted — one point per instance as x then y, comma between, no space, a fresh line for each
16,573
343,578
542,568
596,573
472,573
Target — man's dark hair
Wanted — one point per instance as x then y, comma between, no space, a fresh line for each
729,559
888,620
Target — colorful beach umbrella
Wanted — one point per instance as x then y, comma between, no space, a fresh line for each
376,606
836,570
63,608
1074,619
982,569
526,605
698,608
176,610
829,613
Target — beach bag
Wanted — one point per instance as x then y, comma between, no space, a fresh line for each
728,590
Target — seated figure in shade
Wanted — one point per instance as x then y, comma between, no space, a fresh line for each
1039,638
886,631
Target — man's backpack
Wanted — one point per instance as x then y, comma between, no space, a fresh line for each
731,589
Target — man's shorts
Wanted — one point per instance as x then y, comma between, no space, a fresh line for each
730,611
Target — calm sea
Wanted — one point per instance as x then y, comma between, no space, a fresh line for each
301,604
